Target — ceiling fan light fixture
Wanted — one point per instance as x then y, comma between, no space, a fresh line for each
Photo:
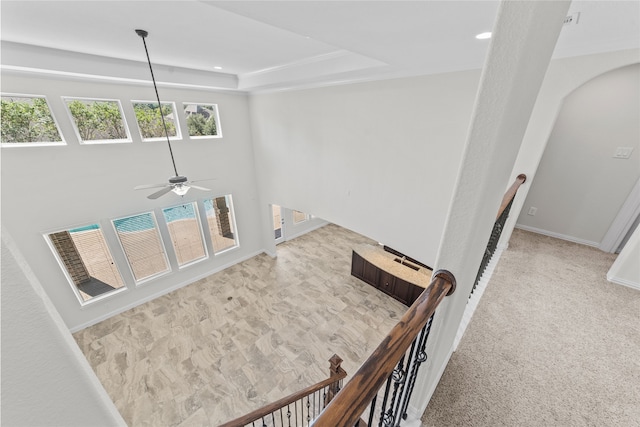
180,189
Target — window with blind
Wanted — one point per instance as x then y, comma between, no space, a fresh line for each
142,245
86,260
299,217
221,222
186,234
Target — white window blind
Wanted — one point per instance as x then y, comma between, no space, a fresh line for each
299,217
186,234
142,245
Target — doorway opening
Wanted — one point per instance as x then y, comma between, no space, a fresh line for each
278,223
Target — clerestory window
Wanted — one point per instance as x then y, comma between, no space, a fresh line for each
203,120
27,121
98,121
149,118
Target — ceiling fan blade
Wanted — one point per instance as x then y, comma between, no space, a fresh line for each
201,180
159,193
144,187
199,188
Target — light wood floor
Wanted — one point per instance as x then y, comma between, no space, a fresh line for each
241,338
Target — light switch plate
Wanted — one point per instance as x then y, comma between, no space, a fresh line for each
622,152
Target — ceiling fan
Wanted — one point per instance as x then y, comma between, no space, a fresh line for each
178,184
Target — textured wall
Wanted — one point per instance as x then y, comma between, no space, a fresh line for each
46,381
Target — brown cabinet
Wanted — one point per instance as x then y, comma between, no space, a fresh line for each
370,274
404,291
400,289
357,265
386,282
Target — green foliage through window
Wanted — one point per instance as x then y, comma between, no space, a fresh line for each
27,120
150,121
201,119
97,120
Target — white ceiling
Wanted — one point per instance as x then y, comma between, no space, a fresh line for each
281,44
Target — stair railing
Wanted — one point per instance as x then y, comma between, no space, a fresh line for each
299,408
501,219
394,364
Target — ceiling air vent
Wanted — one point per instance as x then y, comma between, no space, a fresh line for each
572,19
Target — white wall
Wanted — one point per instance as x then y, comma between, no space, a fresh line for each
579,187
46,380
46,189
379,158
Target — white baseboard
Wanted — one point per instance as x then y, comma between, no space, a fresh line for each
306,230
474,299
414,413
153,296
624,282
558,235
411,422
623,221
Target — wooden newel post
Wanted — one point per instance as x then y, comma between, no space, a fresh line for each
334,371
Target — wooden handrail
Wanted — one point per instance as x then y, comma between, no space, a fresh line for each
337,374
348,405
511,193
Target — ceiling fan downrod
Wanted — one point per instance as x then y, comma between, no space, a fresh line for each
143,34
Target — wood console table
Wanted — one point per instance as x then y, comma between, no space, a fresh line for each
389,273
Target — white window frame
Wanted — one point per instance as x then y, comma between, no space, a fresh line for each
97,141
232,213
147,279
217,118
178,136
36,144
293,217
74,288
202,237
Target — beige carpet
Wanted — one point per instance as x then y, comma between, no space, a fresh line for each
552,343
